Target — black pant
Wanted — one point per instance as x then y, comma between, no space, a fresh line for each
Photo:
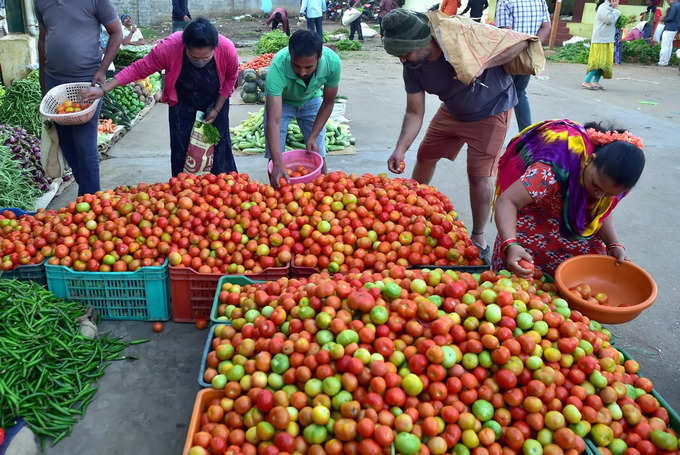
356,27
315,23
275,25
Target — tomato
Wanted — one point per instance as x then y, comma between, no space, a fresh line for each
157,326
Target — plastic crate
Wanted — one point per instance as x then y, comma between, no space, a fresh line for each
303,272
142,295
206,350
32,272
455,268
673,417
17,212
241,280
203,397
193,293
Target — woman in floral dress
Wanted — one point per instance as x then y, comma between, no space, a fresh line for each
558,182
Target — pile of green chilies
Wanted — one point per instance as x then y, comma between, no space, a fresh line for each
48,369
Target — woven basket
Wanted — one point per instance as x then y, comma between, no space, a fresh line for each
61,93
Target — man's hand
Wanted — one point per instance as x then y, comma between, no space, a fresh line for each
99,77
278,173
211,116
394,162
187,19
311,145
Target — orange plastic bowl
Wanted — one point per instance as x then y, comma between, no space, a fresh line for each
630,288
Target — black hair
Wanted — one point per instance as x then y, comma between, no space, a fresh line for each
277,16
200,33
598,4
434,7
305,43
621,161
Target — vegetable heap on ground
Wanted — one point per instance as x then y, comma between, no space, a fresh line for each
229,224
126,57
271,42
638,51
248,136
49,369
431,362
261,61
23,178
253,90
21,104
348,45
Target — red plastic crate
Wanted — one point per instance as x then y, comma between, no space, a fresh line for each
303,272
193,293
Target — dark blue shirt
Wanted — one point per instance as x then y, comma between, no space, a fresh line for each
672,19
180,9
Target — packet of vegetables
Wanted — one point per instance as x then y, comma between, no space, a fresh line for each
202,141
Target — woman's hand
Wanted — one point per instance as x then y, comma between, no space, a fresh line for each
514,254
618,253
211,116
89,94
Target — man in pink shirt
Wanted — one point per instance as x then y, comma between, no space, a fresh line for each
279,16
201,68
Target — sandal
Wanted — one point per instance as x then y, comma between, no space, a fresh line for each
597,87
588,86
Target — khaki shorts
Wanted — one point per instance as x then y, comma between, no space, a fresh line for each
445,138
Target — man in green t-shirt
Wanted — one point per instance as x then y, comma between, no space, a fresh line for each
302,83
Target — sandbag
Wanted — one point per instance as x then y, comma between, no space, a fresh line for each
350,16
468,45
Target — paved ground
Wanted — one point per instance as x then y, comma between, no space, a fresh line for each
144,406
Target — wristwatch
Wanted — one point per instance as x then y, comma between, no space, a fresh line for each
101,86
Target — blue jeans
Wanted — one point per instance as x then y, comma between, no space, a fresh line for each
315,23
305,116
522,110
78,144
178,26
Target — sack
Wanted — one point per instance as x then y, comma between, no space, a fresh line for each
199,157
350,16
468,46
658,32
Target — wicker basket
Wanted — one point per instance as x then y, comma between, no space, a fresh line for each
61,93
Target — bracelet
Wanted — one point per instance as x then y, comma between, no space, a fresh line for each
509,245
507,242
615,245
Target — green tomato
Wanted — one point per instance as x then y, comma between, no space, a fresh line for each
275,381
468,299
219,381
597,379
324,336
82,207
580,428
379,314
347,336
483,410
525,321
485,359
532,447
450,356
280,363
341,398
602,435
534,362
306,312
323,321
251,315
488,296
363,355
460,449
437,300
495,426
315,434
493,313
418,286
470,361
663,440
391,291
236,372
313,387
541,327
267,311
545,436
618,446
331,386
407,443
323,226
572,414
412,385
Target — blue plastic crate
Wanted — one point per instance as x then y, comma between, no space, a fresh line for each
206,350
33,272
142,295
241,280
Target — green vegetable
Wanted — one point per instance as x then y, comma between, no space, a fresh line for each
126,57
631,52
211,134
348,45
17,190
272,41
21,104
50,372
571,53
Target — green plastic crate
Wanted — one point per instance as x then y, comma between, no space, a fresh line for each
233,279
142,295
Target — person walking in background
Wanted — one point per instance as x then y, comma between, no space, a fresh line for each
476,8
69,51
532,18
355,26
385,7
313,10
131,35
651,16
601,57
671,22
180,15
279,16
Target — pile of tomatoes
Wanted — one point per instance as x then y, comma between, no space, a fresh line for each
297,171
429,362
261,61
69,107
230,224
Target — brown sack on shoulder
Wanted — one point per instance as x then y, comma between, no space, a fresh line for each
469,45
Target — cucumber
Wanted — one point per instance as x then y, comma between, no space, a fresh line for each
335,148
253,150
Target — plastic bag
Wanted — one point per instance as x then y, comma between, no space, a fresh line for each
468,45
266,6
657,33
350,16
199,157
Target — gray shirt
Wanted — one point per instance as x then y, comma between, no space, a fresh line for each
72,42
604,28
492,93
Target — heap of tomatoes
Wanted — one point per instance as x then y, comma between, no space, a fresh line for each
230,224
586,293
261,61
429,362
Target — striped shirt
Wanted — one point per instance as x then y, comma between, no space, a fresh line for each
524,16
